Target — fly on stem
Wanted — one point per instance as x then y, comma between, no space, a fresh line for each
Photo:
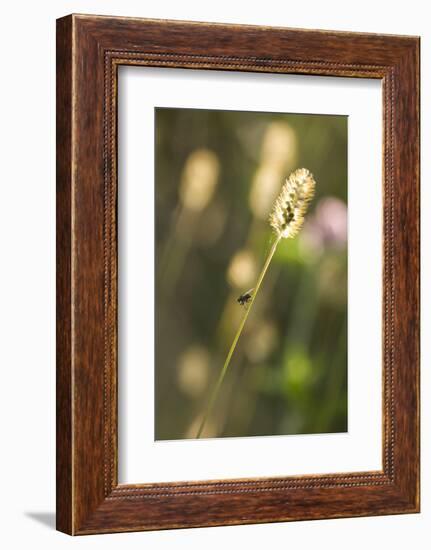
286,220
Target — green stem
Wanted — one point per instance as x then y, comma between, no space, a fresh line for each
235,340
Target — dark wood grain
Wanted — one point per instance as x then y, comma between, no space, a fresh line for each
90,49
64,496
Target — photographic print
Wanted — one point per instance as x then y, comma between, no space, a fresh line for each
251,273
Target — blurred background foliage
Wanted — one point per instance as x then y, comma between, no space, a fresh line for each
217,175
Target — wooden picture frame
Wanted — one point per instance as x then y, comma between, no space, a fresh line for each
89,51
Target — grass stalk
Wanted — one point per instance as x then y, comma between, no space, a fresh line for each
286,219
223,371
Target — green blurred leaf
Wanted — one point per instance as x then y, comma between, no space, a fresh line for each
297,372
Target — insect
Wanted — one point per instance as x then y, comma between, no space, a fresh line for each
245,298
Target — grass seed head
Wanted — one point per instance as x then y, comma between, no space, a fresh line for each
289,209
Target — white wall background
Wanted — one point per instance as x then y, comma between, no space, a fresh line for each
27,280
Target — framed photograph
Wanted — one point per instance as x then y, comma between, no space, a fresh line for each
237,274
